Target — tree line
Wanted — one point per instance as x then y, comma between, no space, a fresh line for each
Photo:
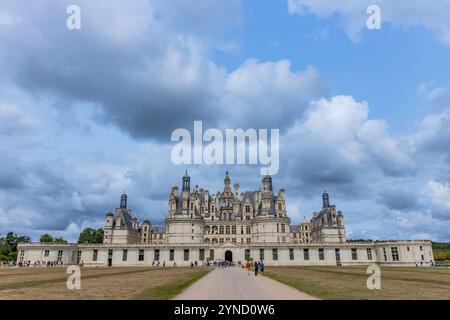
9,242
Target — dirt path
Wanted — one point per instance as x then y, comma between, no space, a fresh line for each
236,284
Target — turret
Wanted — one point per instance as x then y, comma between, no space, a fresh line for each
266,195
109,220
267,184
186,183
173,199
226,183
325,200
123,201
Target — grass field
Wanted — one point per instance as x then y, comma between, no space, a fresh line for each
97,283
350,282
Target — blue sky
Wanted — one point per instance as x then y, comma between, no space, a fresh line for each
86,114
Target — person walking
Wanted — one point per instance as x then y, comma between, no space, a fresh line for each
256,268
261,266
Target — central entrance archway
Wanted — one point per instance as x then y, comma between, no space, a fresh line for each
228,256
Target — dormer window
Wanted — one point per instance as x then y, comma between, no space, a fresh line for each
247,209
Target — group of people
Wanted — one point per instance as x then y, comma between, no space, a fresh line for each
40,263
258,266
7,263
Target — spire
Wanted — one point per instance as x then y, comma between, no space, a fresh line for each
227,178
123,201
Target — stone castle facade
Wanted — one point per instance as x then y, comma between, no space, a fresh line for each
228,225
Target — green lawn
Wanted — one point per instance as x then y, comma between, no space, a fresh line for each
170,290
350,282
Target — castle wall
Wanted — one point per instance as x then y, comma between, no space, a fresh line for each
405,253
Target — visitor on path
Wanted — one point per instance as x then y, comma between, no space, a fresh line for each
247,265
256,268
261,266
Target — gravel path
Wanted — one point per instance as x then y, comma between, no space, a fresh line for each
236,284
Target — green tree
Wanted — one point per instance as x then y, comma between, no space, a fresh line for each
46,238
60,240
8,246
90,235
13,240
5,248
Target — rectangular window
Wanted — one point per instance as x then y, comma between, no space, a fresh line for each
247,254
248,230
321,254
186,254
421,248
261,254
141,255
306,254
125,255
201,254
22,254
171,254
384,254
291,254
46,253
274,254
369,254
394,251
78,256
354,254
95,255
60,254
249,240
283,228
156,255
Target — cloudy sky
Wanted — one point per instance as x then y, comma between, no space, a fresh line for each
87,114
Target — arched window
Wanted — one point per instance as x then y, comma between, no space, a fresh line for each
211,254
233,229
227,229
207,241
